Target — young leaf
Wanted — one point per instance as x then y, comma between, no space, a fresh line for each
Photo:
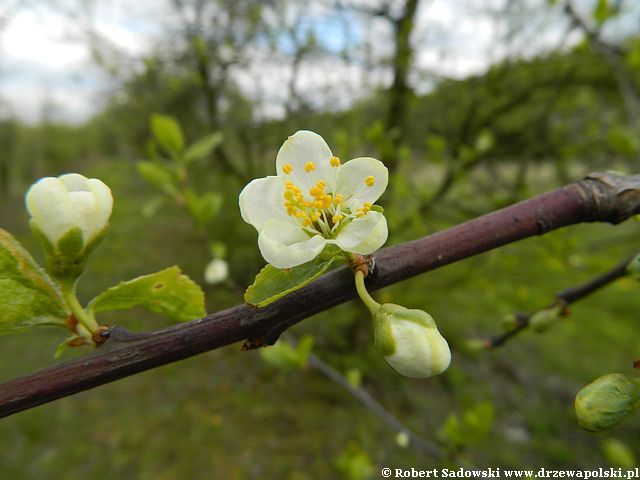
168,293
28,297
159,176
167,133
273,283
203,147
203,208
286,357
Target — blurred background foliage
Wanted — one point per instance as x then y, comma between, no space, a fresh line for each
456,146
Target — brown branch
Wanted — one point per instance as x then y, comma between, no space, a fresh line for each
563,299
599,197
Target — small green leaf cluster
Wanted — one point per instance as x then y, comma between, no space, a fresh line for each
168,169
285,356
354,463
168,164
470,428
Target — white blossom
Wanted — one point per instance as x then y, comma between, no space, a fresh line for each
315,200
58,205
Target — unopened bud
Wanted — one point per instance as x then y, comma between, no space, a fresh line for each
410,341
607,401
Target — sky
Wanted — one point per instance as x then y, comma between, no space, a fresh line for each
46,66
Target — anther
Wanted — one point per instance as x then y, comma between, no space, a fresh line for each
370,181
287,168
309,167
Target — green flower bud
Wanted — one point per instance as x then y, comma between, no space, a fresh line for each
607,401
541,320
410,341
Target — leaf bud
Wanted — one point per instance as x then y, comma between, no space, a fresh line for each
607,401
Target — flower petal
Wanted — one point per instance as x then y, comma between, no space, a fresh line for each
103,205
300,149
353,176
262,200
421,352
284,244
49,206
74,182
364,235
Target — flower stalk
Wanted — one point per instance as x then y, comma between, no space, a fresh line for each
68,289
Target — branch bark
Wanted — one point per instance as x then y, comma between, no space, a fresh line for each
601,197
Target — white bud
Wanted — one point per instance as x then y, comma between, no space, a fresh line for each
217,271
59,205
410,341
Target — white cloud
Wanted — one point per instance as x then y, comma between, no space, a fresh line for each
41,39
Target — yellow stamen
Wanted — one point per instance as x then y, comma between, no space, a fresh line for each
337,218
309,167
366,206
306,222
287,168
335,162
315,216
291,211
338,200
370,181
288,194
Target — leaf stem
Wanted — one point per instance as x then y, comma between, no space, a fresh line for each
364,295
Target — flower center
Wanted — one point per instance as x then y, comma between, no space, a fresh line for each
320,212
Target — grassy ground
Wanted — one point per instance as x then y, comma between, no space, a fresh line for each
226,414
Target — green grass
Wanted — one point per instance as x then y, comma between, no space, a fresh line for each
226,414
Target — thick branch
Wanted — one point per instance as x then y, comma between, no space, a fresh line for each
599,197
564,298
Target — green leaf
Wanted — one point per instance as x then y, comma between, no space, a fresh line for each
203,147
617,453
28,297
354,463
168,293
159,176
203,208
602,11
284,356
273,283
167,133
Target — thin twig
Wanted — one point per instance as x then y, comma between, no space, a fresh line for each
563,299
604,197
371,403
